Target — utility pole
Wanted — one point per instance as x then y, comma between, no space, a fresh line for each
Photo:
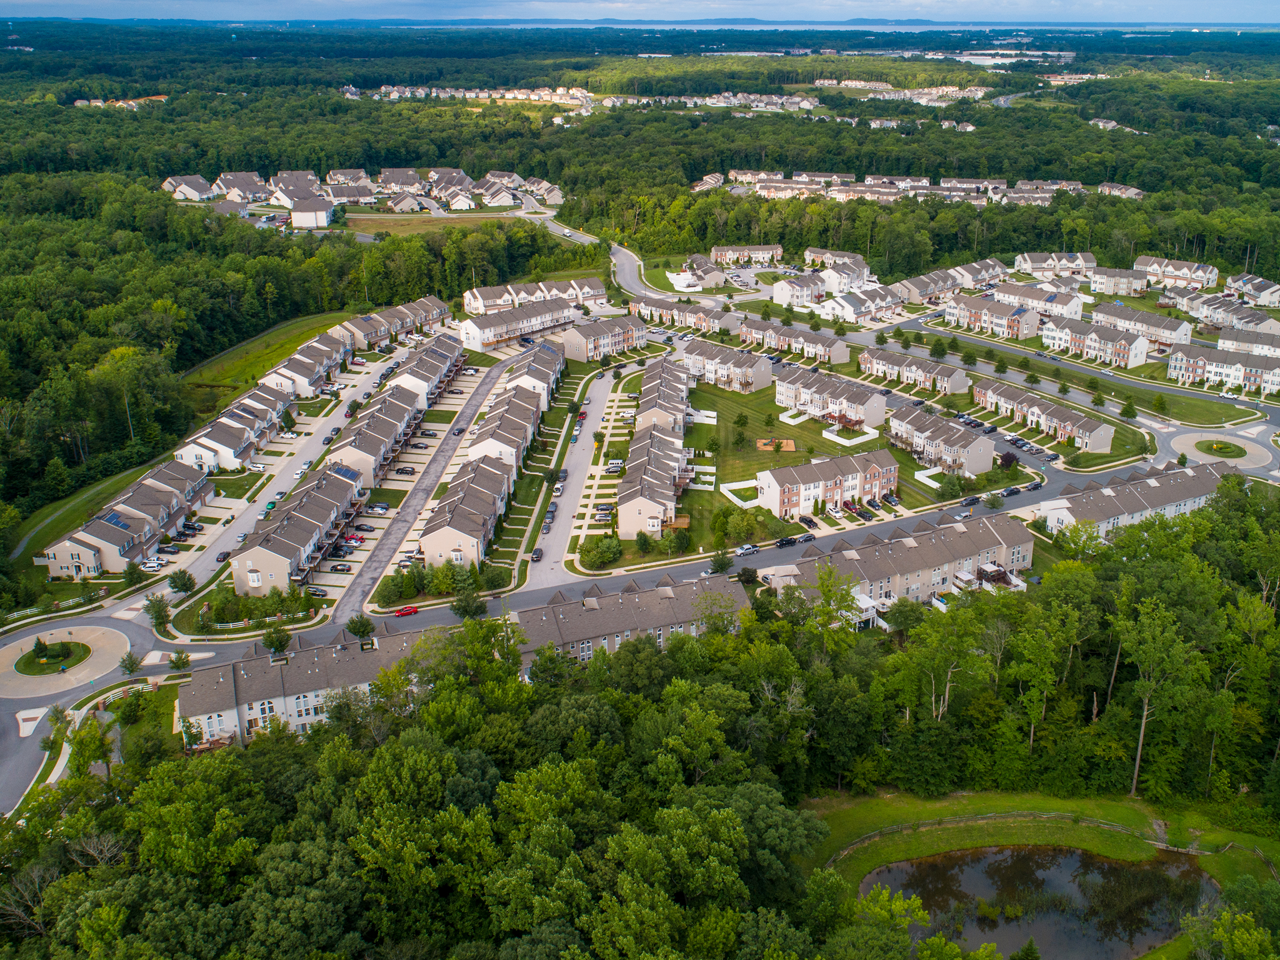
128,415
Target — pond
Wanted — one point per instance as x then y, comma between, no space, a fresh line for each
1078,906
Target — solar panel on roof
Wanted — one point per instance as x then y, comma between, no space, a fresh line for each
115,520
345,472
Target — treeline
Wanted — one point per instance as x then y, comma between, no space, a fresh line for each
109,289
1171,107
646,805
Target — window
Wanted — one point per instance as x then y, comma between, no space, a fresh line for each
302,705
255,578
266,709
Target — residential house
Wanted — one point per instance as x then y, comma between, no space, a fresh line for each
538,369
828,397
1118,282
759,256
737,370
1094,341
509,426
776,337
241,187
350,177
800,291
816,256
429,370
487,333
990,316
377,434
980,274
704,271
933,286
193,187
711,181
232,208
1051,304
312,214
657,471
705,319
860,307
1230,368
218,446
881,363
399,180
461,525
936,442
789,492
1164,332
405,203
1043,266
344,193
1254,290
1250,341
604,338
1180,272
654,309
1066,424
663,401
934,377
844,277
1120,190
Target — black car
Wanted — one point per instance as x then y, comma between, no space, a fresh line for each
809,522
317,592
167,549
874,504
786,542
1011,492
989,429
864,514
917,403
366,528
223,557
890,499
970,501
326,441
335,431
564,475
885,392
536,555
457,431
428,433
1034,486
806,538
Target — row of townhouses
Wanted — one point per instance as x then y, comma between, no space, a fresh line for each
429,370
373,331
246,425
1065,424
759,255
792,491
1095,341
725,367
775,337
664,397
1250,341
1049,303
129,527
989,316
288,546
1230,368
488,332
372,440
940,284
1167,491
589,342
1118,282
657,468
872,302
1163,332
825,396
1045,266
700,318
913,372
936,442
588,291
1182,273
1254,290
1219,310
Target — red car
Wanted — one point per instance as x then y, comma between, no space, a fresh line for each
848,505
406,611
356,539
582,416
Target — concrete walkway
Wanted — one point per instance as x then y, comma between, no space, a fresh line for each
108,647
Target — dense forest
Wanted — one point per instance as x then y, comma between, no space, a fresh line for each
646,806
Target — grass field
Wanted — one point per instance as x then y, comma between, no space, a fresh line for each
402,224
392,498
438,416
29,666
236,485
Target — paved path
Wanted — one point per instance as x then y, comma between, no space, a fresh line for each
1256,456
391,540
108,647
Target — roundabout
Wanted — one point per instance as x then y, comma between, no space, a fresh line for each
1210,447
94,652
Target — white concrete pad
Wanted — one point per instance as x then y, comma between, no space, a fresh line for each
28,719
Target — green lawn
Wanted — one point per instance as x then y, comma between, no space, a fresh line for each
156,718
235,485
392,498
438,416
482,359
29,666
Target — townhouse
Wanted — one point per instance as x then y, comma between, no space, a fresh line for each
705,272
990,316
1049,303
980,273
844,277
1096,342
538,369
1180,272
730,369
1250,341
1219,310
817,256
461,526
588,291
232,702
930,286
657,471
369,332
189,188
1169,491
1043,266
604,338
1164,332
429,371
800,291
296,376
577,629
776,337
129,527
1254,290
792,491
376,435
297,535
931,561
828,397
872,302
664,397
1118,282
759,255
352,177
935,377
488,332
242,187
787,189
653,309
1120,190
508,428
881,363
936,442
705,319
1065,424
218,446
1230,368
340,193
401,180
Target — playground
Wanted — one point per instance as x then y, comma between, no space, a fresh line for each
785,446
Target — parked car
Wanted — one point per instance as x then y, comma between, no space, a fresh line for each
806,538
365,528
546,528
885,392
874,504
419,446
340,568
612,471
306,464
582,415
890,499
848,505
917,403
430,434
785,542
326,441
406,611
223,557
289,435
173,551
242,537
536,555
1011,492
317,591
455,392
1034,485
989,430
457,431
406,471
746,550
809,522
864,514
970,501
564,474
574,438
366,395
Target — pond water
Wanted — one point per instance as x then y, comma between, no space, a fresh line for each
1078,906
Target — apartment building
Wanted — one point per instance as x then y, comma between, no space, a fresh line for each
657,471
1169,491
827,397
776,337
461,526
577,629
725,367
1254,290
937,285
760,255
862,306
801,291
936,442
817,256
129,527
488,332
295,538
1008,320
429,370
794,491
1096,342
231,702
1250,341
587,343
508,428
1044,266
664,393
1230,368
538,369
1046,302
481,300
931,561
374,438
1118,282
1163,332
882,363
1064,424
1182,273
936,377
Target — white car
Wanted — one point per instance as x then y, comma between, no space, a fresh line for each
289,436
258,468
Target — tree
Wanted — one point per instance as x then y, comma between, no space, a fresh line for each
1182,459
1160,405
360,626
768,420
1001,366
179,660
133,574
276,639
1092,384
713,446
130,664
157,608
1024,363
938,351
181,581
388,593
815,325
1080,540
1008,460
573,407
682,541
748,575
739,439
466,604
721,561
1169,669
904,615
644,543
969,358
1032,379
881,339
918,337
840,329
1028,951
598,437
1063,388
1129,410
1098,400
989,353
993,500
741,420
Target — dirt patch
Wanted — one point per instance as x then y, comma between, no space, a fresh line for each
786,446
